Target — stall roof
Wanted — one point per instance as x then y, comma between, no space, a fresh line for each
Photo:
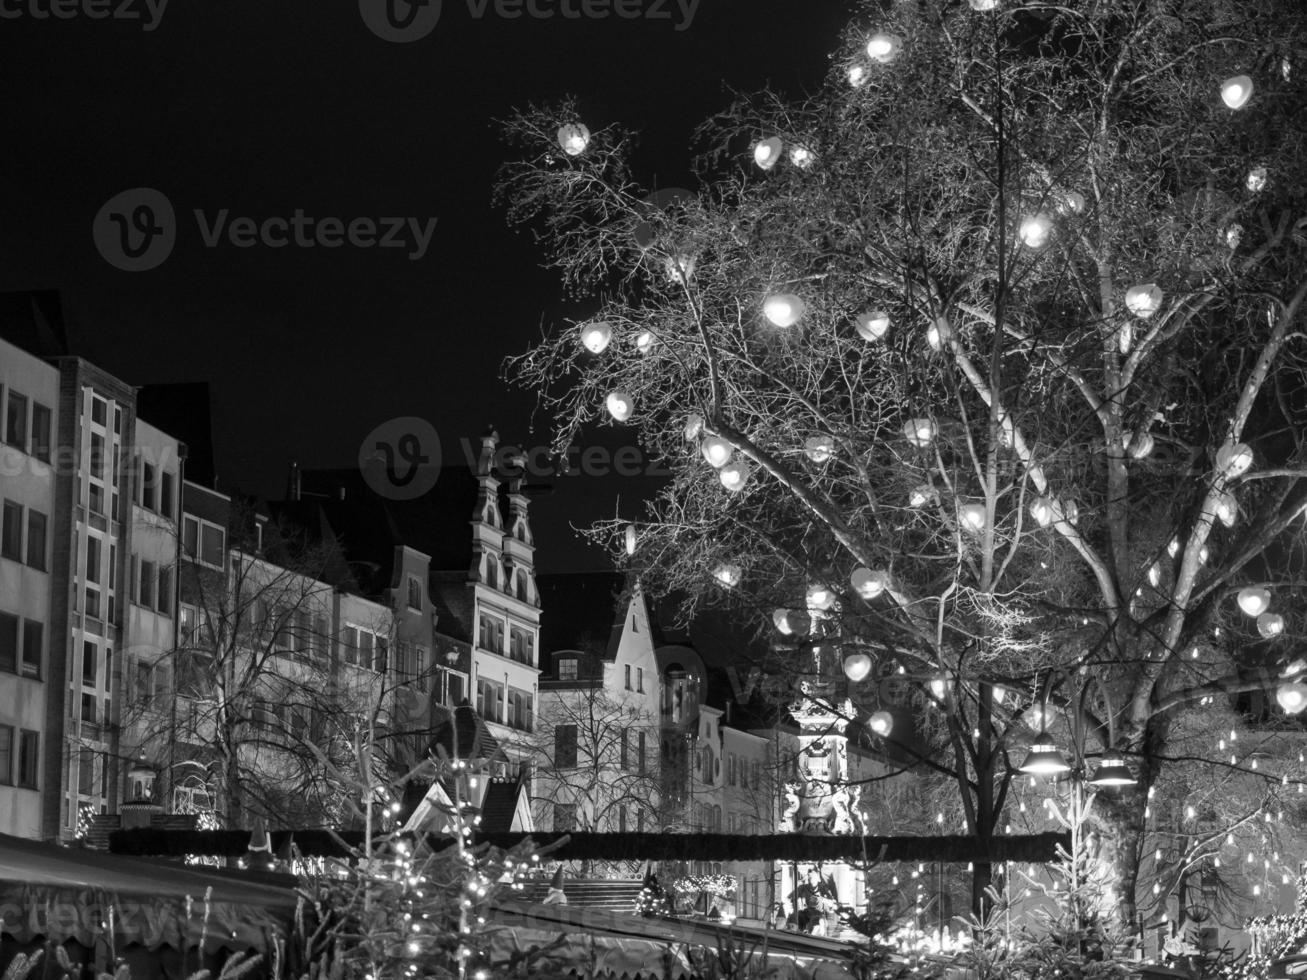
65,893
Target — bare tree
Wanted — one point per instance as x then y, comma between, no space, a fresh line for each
599,767
982,362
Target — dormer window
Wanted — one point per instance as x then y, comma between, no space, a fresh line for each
492,572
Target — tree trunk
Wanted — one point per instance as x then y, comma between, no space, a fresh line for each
1116,828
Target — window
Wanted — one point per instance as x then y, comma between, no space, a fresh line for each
29,758
145,595
6,755
8,642
623,748
520,709
36,524
88,783
621,819
414,592
420,668
490,700
303,638
99,411
92,571
564,817
93,603
148,478
11,539
191,537
492,634
96,498
567,669
628,677
41,432
16,421
639,679
33,647
212,544
165,494
565,746
90,661
96,461
455,688
520,647
639,752
165,591
142,688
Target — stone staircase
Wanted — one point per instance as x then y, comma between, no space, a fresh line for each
611,894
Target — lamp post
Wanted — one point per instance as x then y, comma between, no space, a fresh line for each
1045,759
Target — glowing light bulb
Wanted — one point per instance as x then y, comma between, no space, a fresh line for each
1041,509
872,325
819,449
921,496
1254,600
644,341
596,336
1227,510
857,666
1035,230
728,575
883,48
802,157
820,597
620,405
693,426
783,309
881,722
734,476
767,153
1236,91
1270,625
868,584
1143,300
1256,181
632,538
1234,459
858,76
919,432
717,451
972,516
573,138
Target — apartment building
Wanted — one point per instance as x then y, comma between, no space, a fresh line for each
29,399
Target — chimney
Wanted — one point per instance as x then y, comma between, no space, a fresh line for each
295,489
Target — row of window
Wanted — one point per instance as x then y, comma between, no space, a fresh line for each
639,679
202,541
27,425
521,642
152,585
631,753
515,582
743,772
30,550
156,489
22,645
565,819
508,706
20,757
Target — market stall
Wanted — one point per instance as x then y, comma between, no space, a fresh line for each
165,919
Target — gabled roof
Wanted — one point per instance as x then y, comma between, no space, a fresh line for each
500,805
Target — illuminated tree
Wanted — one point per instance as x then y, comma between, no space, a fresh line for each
982,362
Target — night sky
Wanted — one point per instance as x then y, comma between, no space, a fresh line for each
262,108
